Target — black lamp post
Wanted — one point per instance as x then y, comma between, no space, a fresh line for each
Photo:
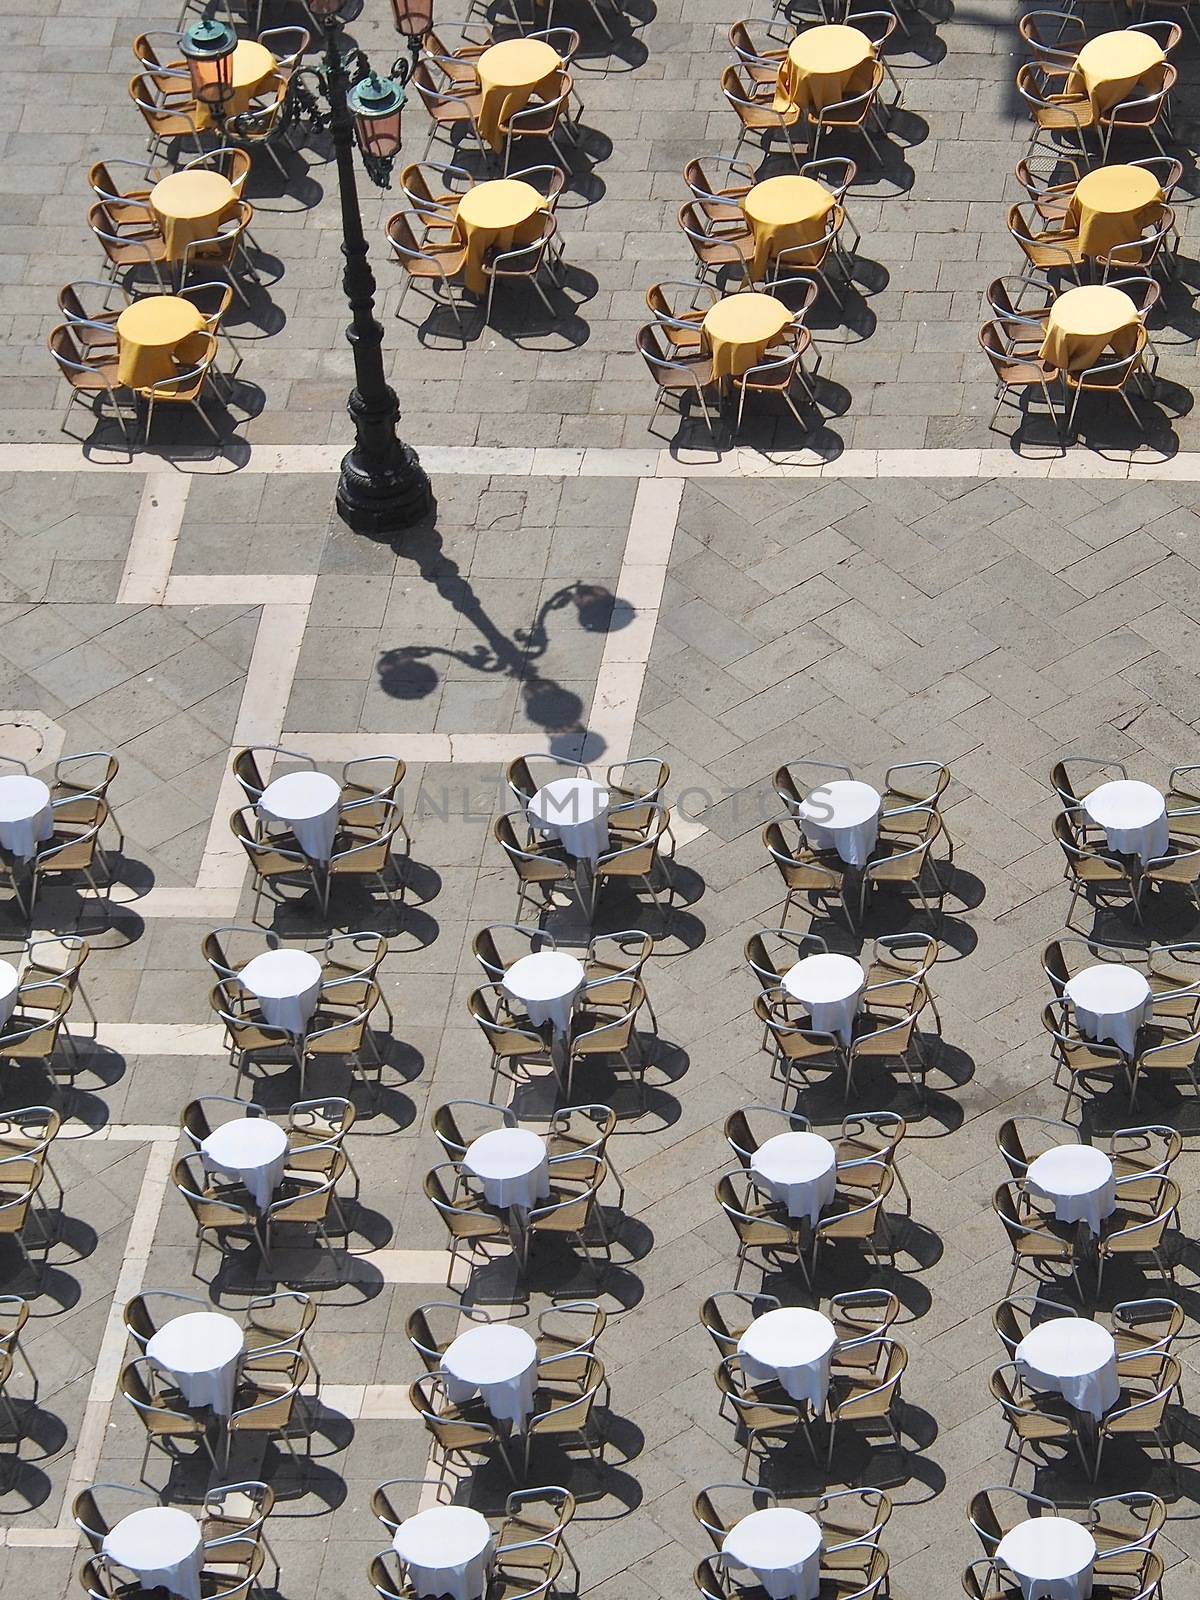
382,486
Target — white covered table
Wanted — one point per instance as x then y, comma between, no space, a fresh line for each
497,1361
797,1169
286,984
1074,1357
1078,1180
25,816
251,1149
830,988
1050,1557
163,1546
201,1351
512,1165
842,816
794,1345
575,812
307,803
1111,1003
546,984
1133,816
447,1550
10,983
781,1547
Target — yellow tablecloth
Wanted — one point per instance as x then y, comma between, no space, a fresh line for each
190,206
509,75
504,213
1109,66
253,68
823,65
1111,206
148,334
785,212
740,327
1084,323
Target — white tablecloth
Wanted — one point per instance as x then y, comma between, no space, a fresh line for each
842,816
1133,815
781,1547
498,1362
546,984
797,1169
307,803
830,989
447,1550
1074,1357
512,1164
1078,1179
162,1545
25,815
10,982
1111,1003
575,812
286,984
251,1149
201,1351
794,1345
1051,1558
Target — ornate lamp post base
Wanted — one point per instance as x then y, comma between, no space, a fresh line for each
384,497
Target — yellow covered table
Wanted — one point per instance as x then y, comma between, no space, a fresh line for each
1109,66
1111,206
1084,323
502,214
783,213
190,206
253,68
739,328
149,332
510,74
824,65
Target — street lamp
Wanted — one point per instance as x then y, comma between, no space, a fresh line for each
414,19
208,48
382,486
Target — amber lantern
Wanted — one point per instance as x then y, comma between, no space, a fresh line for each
208,48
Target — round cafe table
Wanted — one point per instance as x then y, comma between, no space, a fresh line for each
510,74
25,815
785,213
512,1165
252,1150
1050,1557
308,803
781,1547
447,1551
1132,814
497,1361
1078,1180
10,984
739,329
500,215
1074,1357
830,988
842,816
574,811
824,64
1085,323
1111,206
1111,1003
794,1345
148,334
286,984
1112,64
546,983
190,205
201,1351
162,1545
799,1169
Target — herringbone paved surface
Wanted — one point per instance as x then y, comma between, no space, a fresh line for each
865,621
